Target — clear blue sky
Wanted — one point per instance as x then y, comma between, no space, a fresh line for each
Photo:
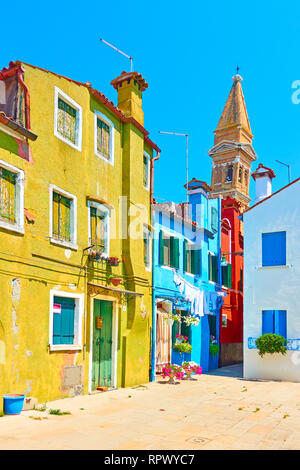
187,52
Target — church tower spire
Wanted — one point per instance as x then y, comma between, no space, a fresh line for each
232,153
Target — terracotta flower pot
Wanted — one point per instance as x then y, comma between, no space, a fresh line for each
115,281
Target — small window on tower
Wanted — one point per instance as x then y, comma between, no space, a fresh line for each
229,174
240,175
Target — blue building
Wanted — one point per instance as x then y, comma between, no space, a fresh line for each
187,277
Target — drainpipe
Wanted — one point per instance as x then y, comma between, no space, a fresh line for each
27,100
152,176
152,378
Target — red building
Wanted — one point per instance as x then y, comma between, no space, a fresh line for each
232,156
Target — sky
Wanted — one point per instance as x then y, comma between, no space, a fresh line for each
187,52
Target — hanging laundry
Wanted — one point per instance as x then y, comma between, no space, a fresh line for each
191,293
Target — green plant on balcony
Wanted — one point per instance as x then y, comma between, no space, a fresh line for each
270,343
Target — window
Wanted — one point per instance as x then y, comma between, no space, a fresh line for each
168,250
227,275
99,227
181,328
214,219
146,171
66,313
147,248
224,320
63,218
213,267
11,198
192,258
104,137
274,321
240,175
274,249
67,119
229,174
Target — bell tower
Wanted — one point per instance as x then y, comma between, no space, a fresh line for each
232,153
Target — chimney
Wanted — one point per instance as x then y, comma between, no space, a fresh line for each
130,87
263,182
196,191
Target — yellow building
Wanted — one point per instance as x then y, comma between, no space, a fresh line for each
75,180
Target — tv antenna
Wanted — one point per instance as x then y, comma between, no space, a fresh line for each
289,169
123,53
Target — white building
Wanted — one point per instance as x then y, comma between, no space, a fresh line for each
272,278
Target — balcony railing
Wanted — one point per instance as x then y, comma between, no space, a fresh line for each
292,344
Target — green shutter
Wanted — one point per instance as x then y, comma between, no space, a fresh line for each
174,256
185,254
161,247
63,323
213,268
227,275
196,261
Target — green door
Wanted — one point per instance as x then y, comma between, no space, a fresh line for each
102,344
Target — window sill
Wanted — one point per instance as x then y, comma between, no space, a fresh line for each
12,227
66,141
65,347
103,157
283,266
63,244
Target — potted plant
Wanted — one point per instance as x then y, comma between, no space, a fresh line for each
115,280
271,343
190,368
172,371
113,261
182,345
213,346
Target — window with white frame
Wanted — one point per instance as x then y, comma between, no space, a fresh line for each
67,119
11,197
147,248
146,170
65,322
104,137
99,227
63,217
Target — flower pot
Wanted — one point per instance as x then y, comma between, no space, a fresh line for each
115,281
189,374
171,379
13,403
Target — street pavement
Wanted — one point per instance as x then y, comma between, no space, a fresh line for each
218,410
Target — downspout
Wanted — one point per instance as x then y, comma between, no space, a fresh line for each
27,100
152,378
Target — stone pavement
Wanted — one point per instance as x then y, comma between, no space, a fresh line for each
219,410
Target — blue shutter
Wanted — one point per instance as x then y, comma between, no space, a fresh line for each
274,249
63,323
267,321
280,322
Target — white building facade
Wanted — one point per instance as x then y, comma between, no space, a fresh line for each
272,283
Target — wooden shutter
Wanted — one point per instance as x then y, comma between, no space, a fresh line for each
213,268
55,215
274,249
65,218
227,275
268,322
196,261
280,322
7,195
161,247
185,255
174,255
63,323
